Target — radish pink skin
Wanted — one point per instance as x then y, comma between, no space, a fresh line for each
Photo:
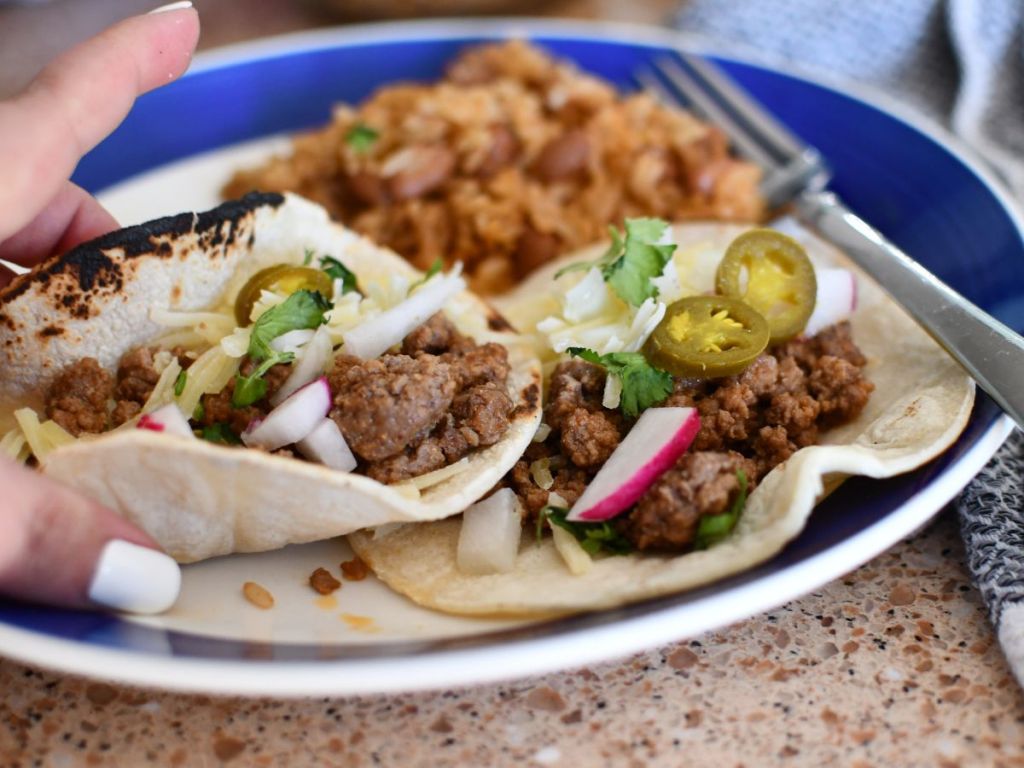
168,419
320,383
630,492
145,422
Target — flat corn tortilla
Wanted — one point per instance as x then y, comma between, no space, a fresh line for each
199,499
921,403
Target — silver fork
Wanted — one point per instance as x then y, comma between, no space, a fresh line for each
794,173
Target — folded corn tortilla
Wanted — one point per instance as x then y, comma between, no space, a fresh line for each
921,403
196,498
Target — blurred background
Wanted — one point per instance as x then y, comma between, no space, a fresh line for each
33,32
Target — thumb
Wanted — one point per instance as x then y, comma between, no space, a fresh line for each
60,548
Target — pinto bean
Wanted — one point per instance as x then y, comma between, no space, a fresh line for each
428,168
369,188
503,150
563,156
535,248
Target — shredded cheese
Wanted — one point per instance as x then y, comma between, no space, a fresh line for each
210,326
42,438
163,390
56,434
430,479
210,373
576,559
14,445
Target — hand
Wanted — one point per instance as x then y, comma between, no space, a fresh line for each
56,546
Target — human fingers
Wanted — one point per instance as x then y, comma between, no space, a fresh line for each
77,100
72,217
62,549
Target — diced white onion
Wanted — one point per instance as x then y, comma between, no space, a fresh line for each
310,365
540,471
557,500
292,340
647,317
589,298
375,336
489,538
236,344
612,391
668,284
576,558
542,433
326,445
168,419
293,419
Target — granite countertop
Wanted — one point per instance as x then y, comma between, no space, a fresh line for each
893,665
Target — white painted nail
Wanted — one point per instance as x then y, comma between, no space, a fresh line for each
172,7
135,579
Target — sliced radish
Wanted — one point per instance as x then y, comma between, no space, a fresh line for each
489,539
836,299
378,334
292,340
309,365
293,419
327,445
168,419
659,437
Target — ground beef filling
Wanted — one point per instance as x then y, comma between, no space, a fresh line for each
85,399
404,414
749,422
425,407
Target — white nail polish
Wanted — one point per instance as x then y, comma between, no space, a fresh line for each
134,579
172,7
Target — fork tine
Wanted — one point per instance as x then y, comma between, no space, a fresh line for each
698,98
649,82
743,104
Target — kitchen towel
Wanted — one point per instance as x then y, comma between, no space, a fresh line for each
961,62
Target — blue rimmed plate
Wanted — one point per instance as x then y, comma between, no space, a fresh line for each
180,143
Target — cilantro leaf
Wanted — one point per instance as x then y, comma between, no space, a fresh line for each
713,528
632,260
434,269
361,138
307,257
594,538
642,259
303,309
643,385
252,388
220,433
338,271
607,257
180,382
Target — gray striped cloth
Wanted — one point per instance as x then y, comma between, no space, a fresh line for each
961,62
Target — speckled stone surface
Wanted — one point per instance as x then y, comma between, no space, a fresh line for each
894,665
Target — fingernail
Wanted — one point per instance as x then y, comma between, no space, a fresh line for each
135,579
172,7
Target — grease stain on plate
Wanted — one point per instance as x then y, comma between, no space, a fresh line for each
360,623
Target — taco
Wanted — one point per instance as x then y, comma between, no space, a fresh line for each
255,376
660,466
